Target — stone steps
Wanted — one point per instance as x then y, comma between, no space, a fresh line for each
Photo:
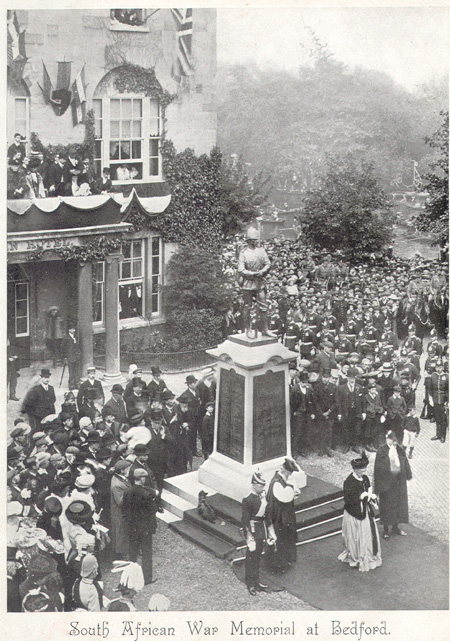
319,511
202,538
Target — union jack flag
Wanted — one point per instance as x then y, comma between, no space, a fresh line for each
183,19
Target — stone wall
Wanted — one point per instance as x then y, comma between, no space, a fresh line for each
86,37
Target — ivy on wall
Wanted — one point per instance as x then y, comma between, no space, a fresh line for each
194,216
131,78
97,248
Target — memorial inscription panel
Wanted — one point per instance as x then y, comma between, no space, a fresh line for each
230,434
269,416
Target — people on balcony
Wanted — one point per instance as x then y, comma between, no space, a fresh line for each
33,177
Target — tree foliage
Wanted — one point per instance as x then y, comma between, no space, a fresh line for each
211,199
287,123
195,298
435,217
347,211
240,197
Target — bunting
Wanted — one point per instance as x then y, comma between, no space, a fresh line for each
183,19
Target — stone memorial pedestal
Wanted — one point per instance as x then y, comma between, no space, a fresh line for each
252,421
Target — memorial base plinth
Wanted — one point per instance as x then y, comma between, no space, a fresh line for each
233,479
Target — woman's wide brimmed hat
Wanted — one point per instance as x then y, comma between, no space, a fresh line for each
78,512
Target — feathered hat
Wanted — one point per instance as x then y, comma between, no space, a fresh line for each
131,575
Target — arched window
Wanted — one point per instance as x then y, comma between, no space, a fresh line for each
128,133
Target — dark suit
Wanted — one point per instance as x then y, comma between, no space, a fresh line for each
154,390
195,422
326,403
87,385
438,390
72,353
117,409
350,407
157,458
139,513
302,407
55,178
39,403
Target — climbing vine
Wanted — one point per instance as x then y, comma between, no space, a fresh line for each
135,79
194,215
97,248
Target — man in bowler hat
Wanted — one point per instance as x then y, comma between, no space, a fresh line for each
39,401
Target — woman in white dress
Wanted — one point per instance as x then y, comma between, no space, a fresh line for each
359,529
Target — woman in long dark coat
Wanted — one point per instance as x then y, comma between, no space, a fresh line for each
391,473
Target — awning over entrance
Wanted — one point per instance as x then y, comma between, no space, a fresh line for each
81,211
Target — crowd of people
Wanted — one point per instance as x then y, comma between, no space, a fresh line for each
35,176
359,334
85,482
85,479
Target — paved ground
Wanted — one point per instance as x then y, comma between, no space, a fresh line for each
188,575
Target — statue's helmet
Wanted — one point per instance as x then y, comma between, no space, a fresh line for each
252,234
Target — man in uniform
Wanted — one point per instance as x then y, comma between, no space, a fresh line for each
438,398
253,265
258,530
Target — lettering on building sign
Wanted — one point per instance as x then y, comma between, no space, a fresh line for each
30,245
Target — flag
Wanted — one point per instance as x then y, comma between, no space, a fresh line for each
63,77
79,98
13,36
16,54
59,99
47,89
183,19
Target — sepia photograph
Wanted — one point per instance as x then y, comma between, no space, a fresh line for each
226,321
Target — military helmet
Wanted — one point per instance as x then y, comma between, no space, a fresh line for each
252,234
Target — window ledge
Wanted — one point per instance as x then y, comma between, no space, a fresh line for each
115,25
131,323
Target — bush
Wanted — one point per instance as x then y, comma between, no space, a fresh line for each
193,329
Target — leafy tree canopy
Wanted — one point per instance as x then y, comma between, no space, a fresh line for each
347,211
196,298
435,217
284,122
211,199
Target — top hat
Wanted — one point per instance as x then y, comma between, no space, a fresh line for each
156,371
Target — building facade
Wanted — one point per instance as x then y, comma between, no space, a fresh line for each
138,77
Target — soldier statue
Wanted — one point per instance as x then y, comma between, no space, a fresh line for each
253,265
